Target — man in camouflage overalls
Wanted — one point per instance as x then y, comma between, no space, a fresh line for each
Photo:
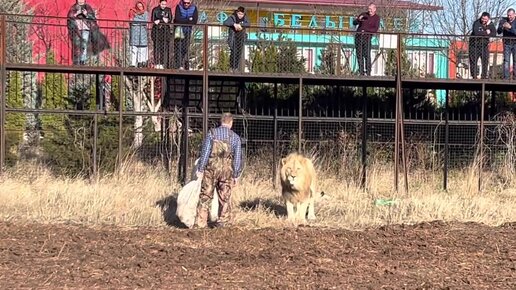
219,167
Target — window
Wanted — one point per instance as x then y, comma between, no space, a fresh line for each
423,62
378,63
308,55
430,63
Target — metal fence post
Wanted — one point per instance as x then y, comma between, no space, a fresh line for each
186,125
396,121
275,141
446,139
120,119
481,143
300,113
364,137
183,158
205,95
3,88
339,57
95,137
399,129
121,91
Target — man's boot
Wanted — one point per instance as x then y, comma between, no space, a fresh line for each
201,221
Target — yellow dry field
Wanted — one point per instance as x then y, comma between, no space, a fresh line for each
133,197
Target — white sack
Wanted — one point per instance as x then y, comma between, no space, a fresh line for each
187,201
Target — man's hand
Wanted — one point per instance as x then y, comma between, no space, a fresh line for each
199,174
507,26
165,19
156,21
488,31
237,26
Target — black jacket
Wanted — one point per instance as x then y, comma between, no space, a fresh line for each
159,14
236,37
479,34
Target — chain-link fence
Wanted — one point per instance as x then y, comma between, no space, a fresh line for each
93,118
76,126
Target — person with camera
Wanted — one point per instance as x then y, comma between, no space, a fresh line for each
368,24
161,17
186,15
507,27
84,32
236,23
483,28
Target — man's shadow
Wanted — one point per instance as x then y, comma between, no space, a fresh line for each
168,206
267,204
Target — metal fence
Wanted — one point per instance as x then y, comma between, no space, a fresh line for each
92,117
259,50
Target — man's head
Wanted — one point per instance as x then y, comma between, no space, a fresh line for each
484,18
371,9
140,6
187,3
511,14
227,120
240,12
163,4
80,2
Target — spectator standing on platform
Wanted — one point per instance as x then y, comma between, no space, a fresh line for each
187,15
237,22
220,166
482,29
161,17
368,24
84,32
507,27
138,39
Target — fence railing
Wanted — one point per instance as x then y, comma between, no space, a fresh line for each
257,50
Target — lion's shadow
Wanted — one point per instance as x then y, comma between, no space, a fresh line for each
168,207
267,204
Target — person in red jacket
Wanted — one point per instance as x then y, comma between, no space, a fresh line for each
368,24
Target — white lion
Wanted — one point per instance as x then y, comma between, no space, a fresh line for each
298,182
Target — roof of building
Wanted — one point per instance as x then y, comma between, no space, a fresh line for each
400,4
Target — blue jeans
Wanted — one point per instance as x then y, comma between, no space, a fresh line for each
508,50
80,47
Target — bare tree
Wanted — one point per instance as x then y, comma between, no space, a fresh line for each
457,16
455,22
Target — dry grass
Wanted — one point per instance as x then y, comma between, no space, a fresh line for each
31,193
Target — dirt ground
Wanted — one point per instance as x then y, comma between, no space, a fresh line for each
425,256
